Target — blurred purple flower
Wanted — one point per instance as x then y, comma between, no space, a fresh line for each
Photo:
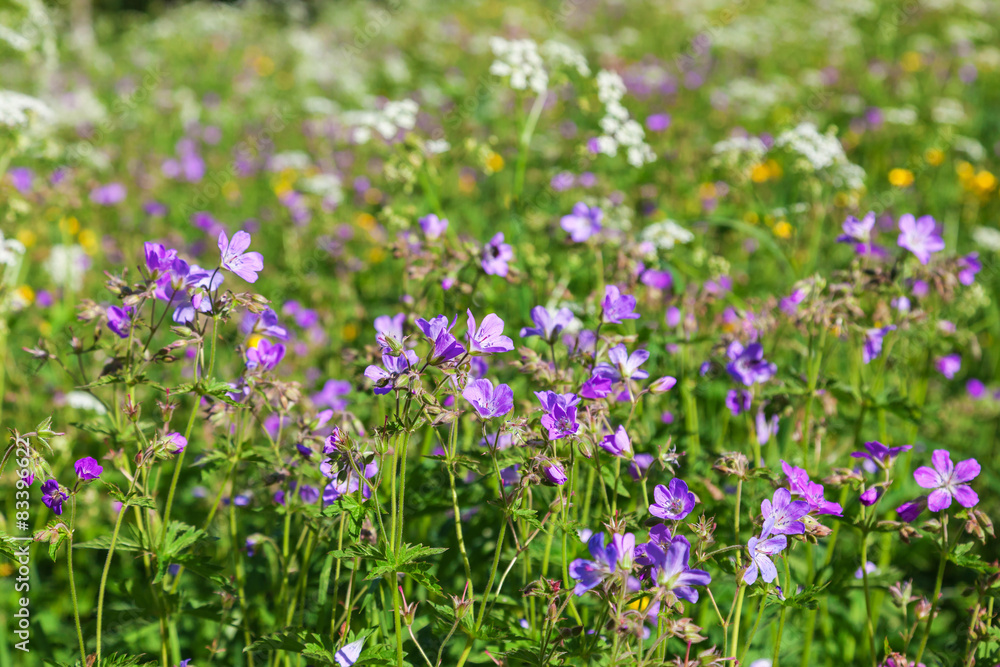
919,236
583,222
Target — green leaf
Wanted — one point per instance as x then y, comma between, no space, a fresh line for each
963,557
324,579
765,239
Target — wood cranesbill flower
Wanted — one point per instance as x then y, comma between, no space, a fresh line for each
590,573
158,258
583,222
919,236
761,548
738,401
438,331
560,413
120,320
623,366
488,401
487,338
548,324
673,501
671,571
748,365
948,365
53,497
433,226
784,513
385,378
235,258
348,655
873,342
617,443
811,492
265,355
879,454
948,480
495,256
617,306
389,331
88,468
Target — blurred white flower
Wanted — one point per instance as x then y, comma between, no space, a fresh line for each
66,265
665,234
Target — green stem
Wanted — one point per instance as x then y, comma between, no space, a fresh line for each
72,583
522,154
937,589
753,630
869,626
735,643
107,567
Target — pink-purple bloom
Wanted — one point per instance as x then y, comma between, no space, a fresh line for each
385,378
53,497
748,365
487,338
88,468
947,481
873,342
617,443
880,454
919,236
948,365
623,366
673,501
433,226
617,306
783,513
120,320
438,331
496,254
671,571
488,401
761,550
583,222
265,355
235,258
590,573
560,413
548,324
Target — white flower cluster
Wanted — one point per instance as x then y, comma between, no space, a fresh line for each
18,109
665,234
296,160
739,152
393,117
987,238
66,266
519,59
561,55
821,153
620,130
327,186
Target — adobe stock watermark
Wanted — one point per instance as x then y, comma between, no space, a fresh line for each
22,615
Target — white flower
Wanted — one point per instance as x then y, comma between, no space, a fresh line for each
18,109
297,160
665,234
66,266
519,60
987,238
82,400
327,186
437,146
948,111
11,250
821,153
561,55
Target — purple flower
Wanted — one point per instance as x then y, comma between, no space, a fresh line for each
948,365
870,496
748,365
919,236
673,502
975,388
657,279
879,454
948,481
487,401
790,303
438,331
617,443
738,400
562,181
53,497
969,266
617,306
760,549
266,355
639,465
88,468
671,571
349,654
873,342
765,427
784,513
433,226
554,473
495,256
266,324
158,257
596,387
663,385
389,330
910,511
560,413
857,231
236,259
811,492
623,366
547,324
590,573
583,222
107,195
330,395
870,568
489,338
658,122
21,178
120,320
385,379
175,442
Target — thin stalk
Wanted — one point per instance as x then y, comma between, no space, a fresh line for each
72,583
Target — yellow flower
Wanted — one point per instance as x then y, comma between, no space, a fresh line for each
27,237
783,230
760,173
24,295
376,255
69,225
911,61
494,162
349,332
365,221
751,217
934,156
965,170
901,178
88,239
263,66
706,191
985,182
